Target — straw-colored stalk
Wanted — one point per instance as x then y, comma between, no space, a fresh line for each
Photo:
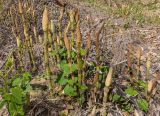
68,47
35,34
98,53
19,45
78,43
34,24
72,21
60,24
88,41
54,36
27,37
88,46
151,85
139,54
129,60
20,6
40,40
45,24
148,66
96,78
108,83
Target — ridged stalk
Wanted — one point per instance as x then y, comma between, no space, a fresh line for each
54,36
108,83
72,21
98,53
78,43
139,54
60,25
27,37
96,78
68,46
129,60
45,24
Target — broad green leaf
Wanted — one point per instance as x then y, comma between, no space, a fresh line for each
69,90
17,94
143,104
2,103
131,91
12,109
66,68
62,81
17,82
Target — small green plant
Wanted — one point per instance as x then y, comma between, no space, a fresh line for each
143,104
15,91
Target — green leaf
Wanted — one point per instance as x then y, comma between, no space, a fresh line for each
81,100
143,104
54,53
83,87
117,98
26,75
17,94
20,110
69,90
62,81
7,97
74,67
83,52
104,69
66,68
17,82
28,88
9,63
142,83
12,109
2,103
62,50
73,54
127,107
131,91
70,82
